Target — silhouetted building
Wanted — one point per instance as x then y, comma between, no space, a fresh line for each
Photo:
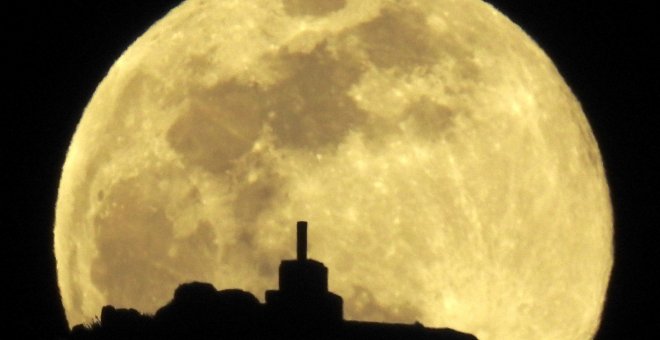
304,304
303,300
302,308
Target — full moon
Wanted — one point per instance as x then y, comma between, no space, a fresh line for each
447,171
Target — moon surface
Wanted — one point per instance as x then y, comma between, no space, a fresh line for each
448,173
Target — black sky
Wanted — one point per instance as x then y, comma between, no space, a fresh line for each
58,53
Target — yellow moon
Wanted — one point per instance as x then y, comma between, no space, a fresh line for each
448,173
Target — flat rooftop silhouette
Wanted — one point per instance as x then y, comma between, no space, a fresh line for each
302,308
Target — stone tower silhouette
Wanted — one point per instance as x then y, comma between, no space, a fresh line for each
303,298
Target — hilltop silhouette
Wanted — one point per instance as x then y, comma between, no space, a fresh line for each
302,308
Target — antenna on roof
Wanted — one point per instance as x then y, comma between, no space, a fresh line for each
302,240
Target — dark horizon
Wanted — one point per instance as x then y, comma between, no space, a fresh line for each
66,49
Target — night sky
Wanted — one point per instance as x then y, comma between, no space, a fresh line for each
65,48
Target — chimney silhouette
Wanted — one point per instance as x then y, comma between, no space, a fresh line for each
302,240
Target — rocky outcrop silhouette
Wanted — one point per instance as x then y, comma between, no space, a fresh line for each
198,308
116,323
